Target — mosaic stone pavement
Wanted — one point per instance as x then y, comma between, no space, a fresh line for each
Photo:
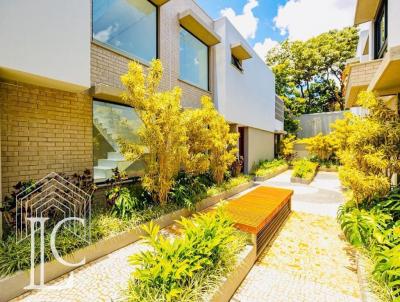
309,261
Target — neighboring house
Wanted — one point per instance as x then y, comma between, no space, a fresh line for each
245,95
60,81
377,66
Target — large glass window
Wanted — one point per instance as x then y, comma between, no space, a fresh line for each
381,31
112,122
127,25
193,60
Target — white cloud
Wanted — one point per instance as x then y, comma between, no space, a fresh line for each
303,19
246,23
263,48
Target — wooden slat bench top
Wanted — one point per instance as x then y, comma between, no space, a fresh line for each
252,211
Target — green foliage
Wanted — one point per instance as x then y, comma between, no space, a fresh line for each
304,169
171,138
368,148
267,167
125,204
209,246
309,74
323,147
376,228
361,226
287,147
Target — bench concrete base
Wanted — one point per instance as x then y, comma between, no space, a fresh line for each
272,174
13,286
231,283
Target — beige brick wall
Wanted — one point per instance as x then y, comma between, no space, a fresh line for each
107,65
43,130
361,73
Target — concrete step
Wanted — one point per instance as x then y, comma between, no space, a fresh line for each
115,156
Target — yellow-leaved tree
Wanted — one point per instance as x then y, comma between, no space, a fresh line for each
211,144
324,147
369,148
163,134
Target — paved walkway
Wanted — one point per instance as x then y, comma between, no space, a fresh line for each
309,261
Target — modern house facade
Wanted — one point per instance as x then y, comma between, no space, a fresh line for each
377,65
60,88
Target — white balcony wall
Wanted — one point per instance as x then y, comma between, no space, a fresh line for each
246,98
393,23
46,41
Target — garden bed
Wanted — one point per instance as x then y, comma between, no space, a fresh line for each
303,181
272,173
231,283
13,286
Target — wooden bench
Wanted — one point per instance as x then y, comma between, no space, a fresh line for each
261,212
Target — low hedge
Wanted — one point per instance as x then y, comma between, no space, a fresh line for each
304,169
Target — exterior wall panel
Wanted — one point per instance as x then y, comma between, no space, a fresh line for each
48,39
260,146
43,130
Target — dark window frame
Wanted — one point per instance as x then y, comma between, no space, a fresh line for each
208,61
237,63
380,49
123,52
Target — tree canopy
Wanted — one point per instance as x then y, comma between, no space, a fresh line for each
309,73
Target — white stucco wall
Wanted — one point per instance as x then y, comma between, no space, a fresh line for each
47,38
246,98
393,23
259,145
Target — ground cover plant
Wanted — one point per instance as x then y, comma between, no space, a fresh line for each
369,152
126,207
189,267
304,168
267,167
374,228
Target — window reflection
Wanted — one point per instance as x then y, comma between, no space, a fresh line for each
128,25
193,60
110,123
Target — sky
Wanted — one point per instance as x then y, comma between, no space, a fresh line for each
264,23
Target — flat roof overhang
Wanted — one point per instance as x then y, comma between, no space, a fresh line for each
159,2
386,79
34,79
106,92
241,51
193,23
365,11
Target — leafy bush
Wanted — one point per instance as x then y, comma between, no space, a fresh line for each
304,169
323,147
287,147
375,227
368,148
188,267
267,167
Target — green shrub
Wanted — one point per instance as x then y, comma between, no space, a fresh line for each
189,267
361,226
304,169
267,167
375,227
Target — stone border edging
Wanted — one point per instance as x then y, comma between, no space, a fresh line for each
325,169
272,174
13,286
366,294
232,282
